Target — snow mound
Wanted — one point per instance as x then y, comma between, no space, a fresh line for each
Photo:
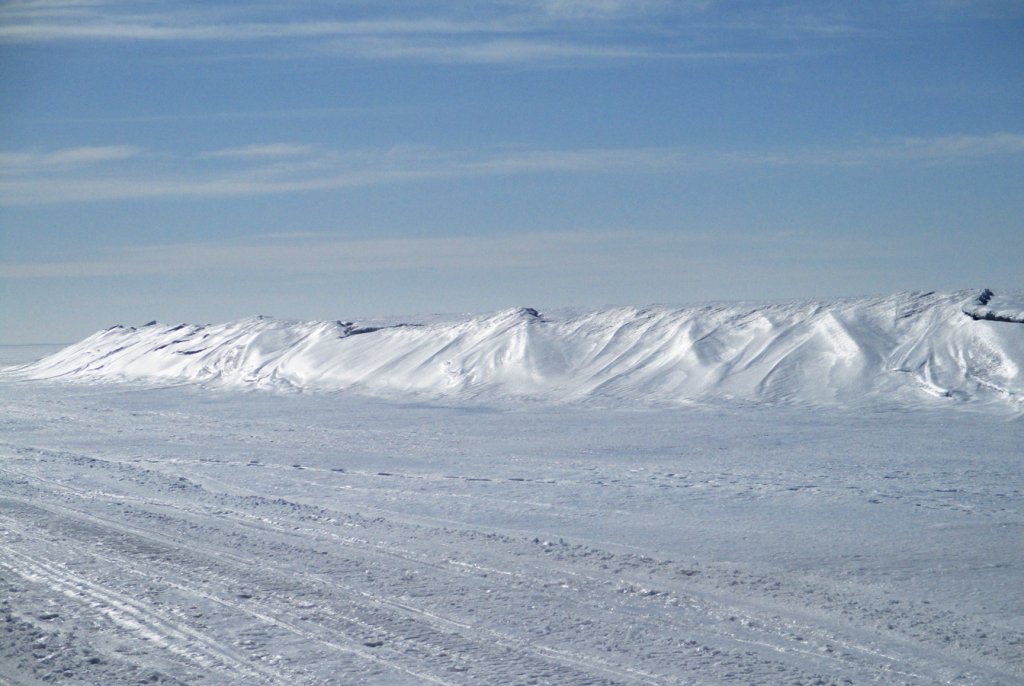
903,348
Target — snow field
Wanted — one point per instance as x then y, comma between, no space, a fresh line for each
183,535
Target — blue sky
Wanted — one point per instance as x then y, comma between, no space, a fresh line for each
203,161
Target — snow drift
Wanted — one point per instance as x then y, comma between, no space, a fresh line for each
902,348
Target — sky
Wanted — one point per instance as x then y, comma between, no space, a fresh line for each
205,161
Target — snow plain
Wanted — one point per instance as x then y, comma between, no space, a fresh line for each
856,518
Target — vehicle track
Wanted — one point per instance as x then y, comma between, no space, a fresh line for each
743,624
388,626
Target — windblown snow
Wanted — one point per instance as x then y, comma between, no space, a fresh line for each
904,348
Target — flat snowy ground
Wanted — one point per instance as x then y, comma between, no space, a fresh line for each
181,535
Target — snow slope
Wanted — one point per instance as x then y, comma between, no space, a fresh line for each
902,348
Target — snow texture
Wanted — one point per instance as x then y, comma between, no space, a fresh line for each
623,512
904,348
182,536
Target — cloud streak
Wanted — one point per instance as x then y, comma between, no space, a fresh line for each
281,168
15,162
256,152
301,252
910,150
180,30
489,32
293,254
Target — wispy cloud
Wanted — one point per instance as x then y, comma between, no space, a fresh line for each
285,113
483,51
577,9
598,23
953,147
293,254
21,162
301,252
580,161
484,32
180,30
255,152
938,149
280,168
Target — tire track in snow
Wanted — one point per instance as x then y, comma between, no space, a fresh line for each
564,666
264,524
132,616
296,524
715,612
156,627
588,663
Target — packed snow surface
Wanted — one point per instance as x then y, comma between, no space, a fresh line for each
905,348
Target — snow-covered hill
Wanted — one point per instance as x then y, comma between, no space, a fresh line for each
902,348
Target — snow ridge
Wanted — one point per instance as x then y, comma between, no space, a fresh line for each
903,348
